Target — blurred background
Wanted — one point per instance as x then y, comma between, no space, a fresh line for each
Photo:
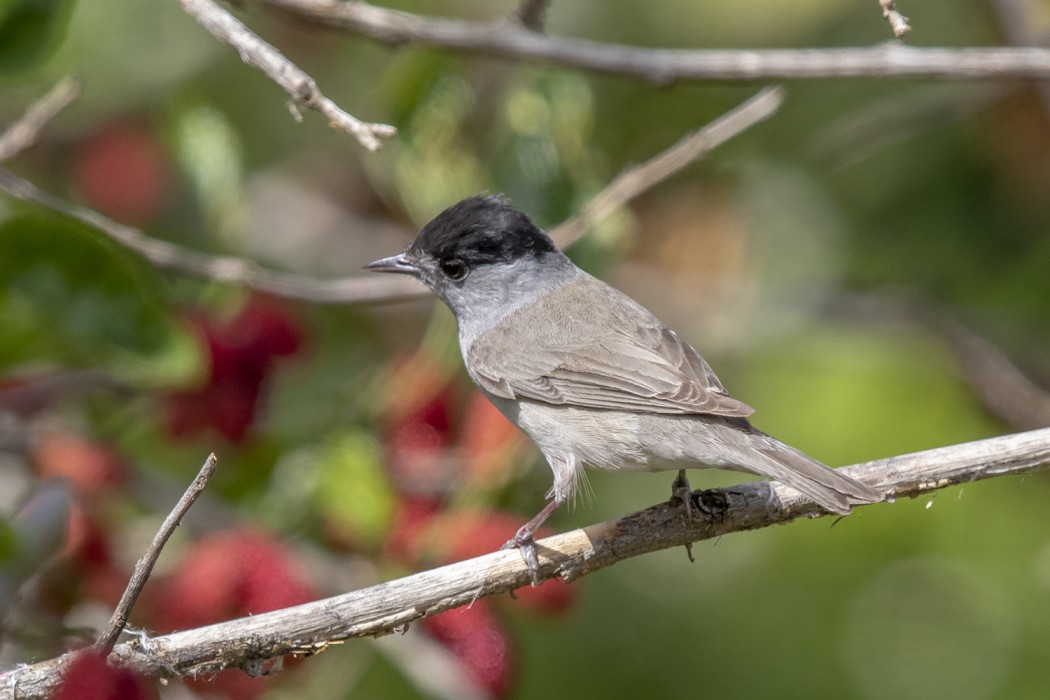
867,269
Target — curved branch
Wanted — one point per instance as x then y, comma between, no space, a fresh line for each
387,607
510,40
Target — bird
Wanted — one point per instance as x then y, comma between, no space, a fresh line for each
590,375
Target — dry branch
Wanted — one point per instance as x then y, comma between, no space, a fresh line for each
387,607
631,182
509,40
300,86
898,22
24,132
221,268
144,566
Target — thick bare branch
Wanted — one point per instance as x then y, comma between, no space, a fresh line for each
635,180
23,133
381,609
510,40
144,566
300,86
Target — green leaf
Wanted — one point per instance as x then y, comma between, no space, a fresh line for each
30,30
67,296
353,492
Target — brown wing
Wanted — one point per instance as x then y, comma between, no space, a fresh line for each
616,357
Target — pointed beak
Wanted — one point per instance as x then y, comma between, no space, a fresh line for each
400,264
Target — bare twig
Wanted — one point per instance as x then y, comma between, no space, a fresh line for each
220,268
381,609
300,86
1000,384
1004,389
378,288
898,22
23,133
637,179
511,41
144,566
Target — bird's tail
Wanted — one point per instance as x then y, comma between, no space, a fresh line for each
830,488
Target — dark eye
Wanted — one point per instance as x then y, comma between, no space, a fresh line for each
454,269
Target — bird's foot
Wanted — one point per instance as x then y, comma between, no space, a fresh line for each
524,542
682,493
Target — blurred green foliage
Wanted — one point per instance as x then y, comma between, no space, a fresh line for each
763,255
31,29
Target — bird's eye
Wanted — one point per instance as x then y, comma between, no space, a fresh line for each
454,269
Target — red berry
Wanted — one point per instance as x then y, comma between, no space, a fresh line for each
413,517
123,172
241,353
231,574
475,637
89,677
490,442
417,447
92,468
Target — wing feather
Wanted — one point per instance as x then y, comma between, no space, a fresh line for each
618,357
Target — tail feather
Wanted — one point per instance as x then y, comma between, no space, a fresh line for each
830,488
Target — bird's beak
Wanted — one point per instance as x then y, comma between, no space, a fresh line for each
400,264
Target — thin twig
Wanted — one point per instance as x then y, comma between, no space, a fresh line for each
382,609
898,22
1004,389
300,86
635,180
221,268
144,565
23,133
511,41
381,288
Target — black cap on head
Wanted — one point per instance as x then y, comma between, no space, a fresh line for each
482,230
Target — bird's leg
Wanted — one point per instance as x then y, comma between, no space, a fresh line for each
524,541
681,491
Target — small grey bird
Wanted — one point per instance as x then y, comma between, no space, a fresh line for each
591,376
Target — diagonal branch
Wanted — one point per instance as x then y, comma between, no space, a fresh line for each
24,132
379,288
300,86
509,40
633,181
144,566
381,609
